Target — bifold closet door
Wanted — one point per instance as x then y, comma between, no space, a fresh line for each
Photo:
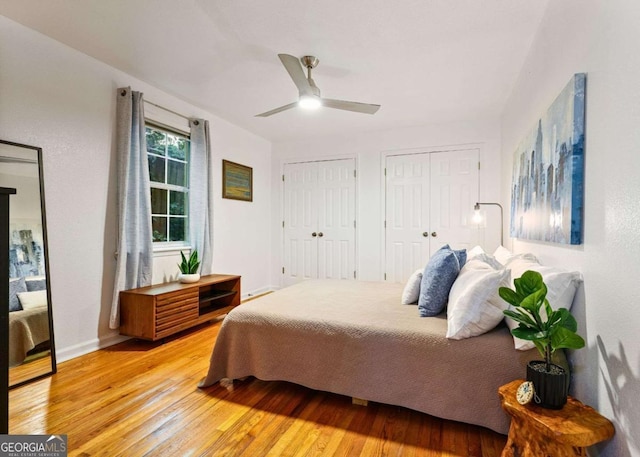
454,191
319,220
300,223
428,203
407,215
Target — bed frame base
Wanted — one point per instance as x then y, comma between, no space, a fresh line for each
359,401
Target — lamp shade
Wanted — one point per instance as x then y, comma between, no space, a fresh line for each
479,218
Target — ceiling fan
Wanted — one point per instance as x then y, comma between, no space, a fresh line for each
309,93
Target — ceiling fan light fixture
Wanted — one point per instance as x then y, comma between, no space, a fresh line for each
309,94
309,102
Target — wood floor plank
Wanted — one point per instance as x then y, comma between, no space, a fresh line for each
376,447
434,430
280,418
333,435
30,370
254,422
141,399
355,437
413,446
295,441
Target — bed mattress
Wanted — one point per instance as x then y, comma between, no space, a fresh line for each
355,338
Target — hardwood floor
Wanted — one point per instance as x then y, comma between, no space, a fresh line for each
140,399
31,369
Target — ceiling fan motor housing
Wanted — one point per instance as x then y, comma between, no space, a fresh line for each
309,61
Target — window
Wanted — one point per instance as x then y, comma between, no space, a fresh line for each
168,155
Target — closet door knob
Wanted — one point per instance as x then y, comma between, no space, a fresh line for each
320,234
425,234
434,234
314,234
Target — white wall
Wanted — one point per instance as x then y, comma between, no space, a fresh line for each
601,39
368,149
63,101
25,204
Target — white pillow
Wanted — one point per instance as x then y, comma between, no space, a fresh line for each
474,304
35,299
502,254
561,288
489,260
411,291
477,250
526,257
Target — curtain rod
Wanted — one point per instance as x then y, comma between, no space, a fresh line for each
172,112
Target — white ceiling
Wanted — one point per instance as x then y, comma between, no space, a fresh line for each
424,61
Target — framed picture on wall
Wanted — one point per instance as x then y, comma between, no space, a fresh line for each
237,181
547,190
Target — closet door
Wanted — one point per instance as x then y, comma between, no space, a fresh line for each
300,223
407,215
319,220
428,203
454,191
336,219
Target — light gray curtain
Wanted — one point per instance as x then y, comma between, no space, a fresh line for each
201,195
135,245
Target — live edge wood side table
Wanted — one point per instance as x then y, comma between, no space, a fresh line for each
542,432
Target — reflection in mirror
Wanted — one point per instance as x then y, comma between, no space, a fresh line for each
31,343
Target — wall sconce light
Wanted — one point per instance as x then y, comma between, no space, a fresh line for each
477,217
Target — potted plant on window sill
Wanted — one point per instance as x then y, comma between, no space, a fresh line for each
550,332
189,268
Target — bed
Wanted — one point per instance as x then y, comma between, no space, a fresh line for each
28,328
354,338
28,317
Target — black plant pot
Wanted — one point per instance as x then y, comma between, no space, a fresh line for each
550,387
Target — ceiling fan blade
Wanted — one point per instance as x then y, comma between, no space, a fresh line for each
294,68
277,110
365,108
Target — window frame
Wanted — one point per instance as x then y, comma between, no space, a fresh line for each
159,246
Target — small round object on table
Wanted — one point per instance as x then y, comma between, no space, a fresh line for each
525,393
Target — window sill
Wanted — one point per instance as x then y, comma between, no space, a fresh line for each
160,251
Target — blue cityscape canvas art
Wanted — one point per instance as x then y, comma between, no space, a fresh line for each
548,172
26,250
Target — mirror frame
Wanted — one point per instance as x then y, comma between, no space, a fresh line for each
45,248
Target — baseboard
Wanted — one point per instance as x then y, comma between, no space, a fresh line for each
257,292
62,355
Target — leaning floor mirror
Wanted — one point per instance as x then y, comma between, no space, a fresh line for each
31,343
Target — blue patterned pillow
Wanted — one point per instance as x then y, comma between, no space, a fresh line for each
462,257
438,277
36,284
16,286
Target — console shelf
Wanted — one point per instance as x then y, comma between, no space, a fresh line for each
155,312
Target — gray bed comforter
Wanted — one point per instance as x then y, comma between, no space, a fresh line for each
355,338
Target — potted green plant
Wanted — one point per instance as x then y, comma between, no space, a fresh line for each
189,267
549,332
